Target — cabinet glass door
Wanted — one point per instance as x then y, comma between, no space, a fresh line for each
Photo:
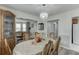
8,26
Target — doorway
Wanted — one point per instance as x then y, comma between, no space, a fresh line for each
52,27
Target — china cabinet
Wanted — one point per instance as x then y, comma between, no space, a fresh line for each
7,30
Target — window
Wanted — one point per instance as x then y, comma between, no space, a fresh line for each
24,27
21,26
18,27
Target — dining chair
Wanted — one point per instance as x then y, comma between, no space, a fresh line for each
51,48
56,47
51,35
26,36
5,48
48,47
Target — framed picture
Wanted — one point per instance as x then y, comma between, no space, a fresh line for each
41,26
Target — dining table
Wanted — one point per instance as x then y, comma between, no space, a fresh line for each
28,48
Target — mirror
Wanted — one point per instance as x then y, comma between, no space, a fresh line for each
41,26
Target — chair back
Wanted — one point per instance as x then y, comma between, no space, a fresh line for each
5,48
56,47
48,47
51,48
26,36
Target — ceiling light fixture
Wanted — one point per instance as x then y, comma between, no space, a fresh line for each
43,15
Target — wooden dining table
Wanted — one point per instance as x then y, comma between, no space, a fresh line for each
28,48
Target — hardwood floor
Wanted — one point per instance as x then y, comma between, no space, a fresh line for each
64,51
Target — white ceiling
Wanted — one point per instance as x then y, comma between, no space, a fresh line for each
36,9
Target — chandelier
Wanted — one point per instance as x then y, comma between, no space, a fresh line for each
43,15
